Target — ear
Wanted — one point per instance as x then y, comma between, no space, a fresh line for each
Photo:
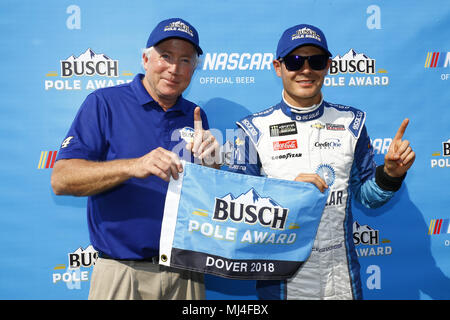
328,65
277,67
144,61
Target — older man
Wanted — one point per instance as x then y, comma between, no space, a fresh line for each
121,150
305,138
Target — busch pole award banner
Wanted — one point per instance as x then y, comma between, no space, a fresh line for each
239,226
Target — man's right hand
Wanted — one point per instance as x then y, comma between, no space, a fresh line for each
81,177
314,179
159,162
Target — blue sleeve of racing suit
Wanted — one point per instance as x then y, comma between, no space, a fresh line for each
362,177
244,158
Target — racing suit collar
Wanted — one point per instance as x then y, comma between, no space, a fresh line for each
302,114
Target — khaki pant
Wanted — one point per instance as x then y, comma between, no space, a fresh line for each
133,280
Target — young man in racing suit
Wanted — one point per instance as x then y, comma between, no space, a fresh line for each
305,138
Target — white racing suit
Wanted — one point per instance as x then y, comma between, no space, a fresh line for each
332,141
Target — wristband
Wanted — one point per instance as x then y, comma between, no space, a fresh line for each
386,182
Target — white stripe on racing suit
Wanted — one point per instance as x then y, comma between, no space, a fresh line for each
332,141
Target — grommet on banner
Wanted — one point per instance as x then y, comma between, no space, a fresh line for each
163,258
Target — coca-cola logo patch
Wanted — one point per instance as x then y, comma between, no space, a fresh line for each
285,145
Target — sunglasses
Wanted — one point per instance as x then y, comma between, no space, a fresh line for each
316,62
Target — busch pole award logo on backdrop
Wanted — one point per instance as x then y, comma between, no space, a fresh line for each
354,63
73,275
88,64
442,159
368,243
239,226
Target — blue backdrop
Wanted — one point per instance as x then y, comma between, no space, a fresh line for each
403,247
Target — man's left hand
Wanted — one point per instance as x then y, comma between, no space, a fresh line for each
400,155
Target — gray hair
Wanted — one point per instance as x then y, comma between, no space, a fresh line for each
147,52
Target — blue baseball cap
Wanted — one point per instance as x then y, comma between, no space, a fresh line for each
300,35
174,28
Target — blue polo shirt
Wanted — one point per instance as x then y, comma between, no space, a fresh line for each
125,122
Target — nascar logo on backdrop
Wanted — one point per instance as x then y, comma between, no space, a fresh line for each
440,227
87,64
47,159
355,63
438,60
380,145
231,62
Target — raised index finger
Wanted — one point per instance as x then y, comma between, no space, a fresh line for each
198,130
198,125
401,130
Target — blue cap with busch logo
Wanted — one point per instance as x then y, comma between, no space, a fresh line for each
174,28
299,35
